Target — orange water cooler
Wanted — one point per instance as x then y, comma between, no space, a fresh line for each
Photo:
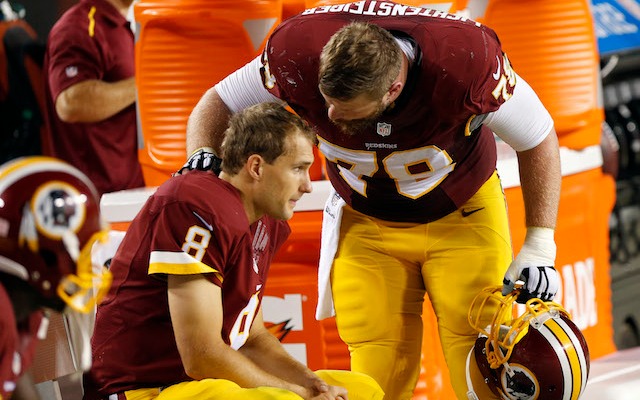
552,44
183,47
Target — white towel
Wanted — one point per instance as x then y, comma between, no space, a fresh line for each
331,218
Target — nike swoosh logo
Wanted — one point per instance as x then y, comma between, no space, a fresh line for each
466,213
206,224
496,75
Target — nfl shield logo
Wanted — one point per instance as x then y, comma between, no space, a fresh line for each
383,129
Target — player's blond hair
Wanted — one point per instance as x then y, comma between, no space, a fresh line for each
260,129
360,58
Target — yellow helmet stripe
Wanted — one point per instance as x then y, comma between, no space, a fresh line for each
582,357
567,356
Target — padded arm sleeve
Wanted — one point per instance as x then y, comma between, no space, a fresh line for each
522,122
244,88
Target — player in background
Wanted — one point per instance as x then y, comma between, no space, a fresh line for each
90,94
406,101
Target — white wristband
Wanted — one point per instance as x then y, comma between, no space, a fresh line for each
539,246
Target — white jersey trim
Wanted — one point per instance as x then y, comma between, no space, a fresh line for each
522,122
244,87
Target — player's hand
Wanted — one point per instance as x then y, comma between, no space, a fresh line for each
203,159
534,266
323,391
332,393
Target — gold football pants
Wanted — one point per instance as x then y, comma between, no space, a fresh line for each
359,387
380,275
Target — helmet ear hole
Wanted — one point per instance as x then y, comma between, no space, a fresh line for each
49,258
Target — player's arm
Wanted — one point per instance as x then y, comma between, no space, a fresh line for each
207,123
95,100
540,179
525,124
195,305
209,118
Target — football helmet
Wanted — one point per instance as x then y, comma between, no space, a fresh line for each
539,354
49,221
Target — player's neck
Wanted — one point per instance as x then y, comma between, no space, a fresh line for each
245,187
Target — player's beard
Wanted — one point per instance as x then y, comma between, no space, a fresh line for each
355,126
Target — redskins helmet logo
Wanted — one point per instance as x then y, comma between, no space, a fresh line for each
520,384
58,207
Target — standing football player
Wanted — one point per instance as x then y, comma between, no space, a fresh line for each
406,101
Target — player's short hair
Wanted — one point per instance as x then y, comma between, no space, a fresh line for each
260,129
360,58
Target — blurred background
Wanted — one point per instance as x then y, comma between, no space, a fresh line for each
42,14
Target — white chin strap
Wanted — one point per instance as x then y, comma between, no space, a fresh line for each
71,244
80,327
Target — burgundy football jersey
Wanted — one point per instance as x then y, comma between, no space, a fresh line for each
420,161
194,224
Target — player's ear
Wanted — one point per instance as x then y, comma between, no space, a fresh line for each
394,91
255,166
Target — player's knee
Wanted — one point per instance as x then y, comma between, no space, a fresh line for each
200,389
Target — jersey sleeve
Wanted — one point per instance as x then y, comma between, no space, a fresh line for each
266,75
474,76
184,242
289,67
73,57
494,80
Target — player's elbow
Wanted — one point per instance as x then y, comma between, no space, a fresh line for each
204,361
197,368
194,370
65,108
192,363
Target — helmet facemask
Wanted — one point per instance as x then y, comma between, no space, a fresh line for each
83,290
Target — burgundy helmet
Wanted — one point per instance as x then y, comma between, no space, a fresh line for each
49,220
540,354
